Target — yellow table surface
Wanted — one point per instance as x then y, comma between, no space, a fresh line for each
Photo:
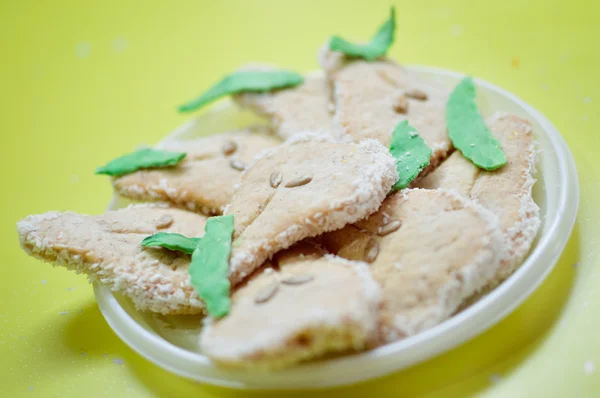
85,81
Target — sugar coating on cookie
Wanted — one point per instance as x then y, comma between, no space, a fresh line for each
306,304
429,250
506,191
371,98
107,249
294,110
204,180
322,186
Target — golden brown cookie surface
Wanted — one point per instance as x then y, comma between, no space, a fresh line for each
305,305
295,110
107,248
307,186
429,250
506,191
371,98
204,180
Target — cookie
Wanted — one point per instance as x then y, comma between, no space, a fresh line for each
307,186
371,98
204,180
295,110
303,305
506,191
107,249
429,250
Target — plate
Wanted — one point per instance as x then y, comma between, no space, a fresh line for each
171,342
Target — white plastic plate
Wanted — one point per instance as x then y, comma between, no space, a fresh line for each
171,342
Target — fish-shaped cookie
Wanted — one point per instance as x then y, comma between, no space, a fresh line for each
507,192
309,185
294,110
204,180
429,250
107,248
371,98
302,305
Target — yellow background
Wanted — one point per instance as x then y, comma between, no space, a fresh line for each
85,81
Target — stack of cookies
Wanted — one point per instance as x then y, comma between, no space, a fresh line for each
326,252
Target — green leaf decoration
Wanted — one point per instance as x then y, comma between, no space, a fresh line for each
209,269
244,81
468,131
141,159
377,47
411,153
172,241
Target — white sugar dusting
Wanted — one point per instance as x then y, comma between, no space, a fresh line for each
118,361
44,281
587,100
63,313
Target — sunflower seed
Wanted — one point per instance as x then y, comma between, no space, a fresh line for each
371,251
299,181
267,293
275,179
400,104
298,279
164,221
229,147
388,228
416,94
237,165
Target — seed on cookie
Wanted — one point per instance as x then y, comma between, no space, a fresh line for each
237,165
416,94
400,104
297,279
229,147
371,251
297,182
388,228
164,221
267,293
275,179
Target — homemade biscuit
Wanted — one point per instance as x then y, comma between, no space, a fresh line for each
307,186
506,191
371,98
429,250
300,306
293,110
107,249
204,180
